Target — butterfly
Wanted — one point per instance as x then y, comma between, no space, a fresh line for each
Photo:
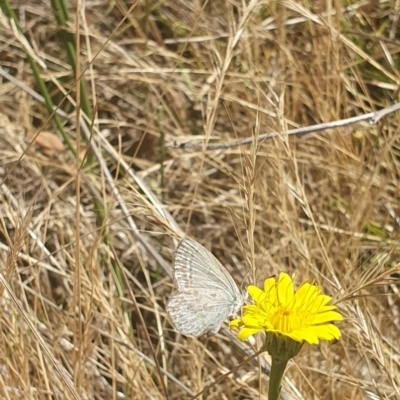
206,294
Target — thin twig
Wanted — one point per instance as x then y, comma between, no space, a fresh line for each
372,118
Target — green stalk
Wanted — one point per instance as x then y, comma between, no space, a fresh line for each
8,11
61,14
278,367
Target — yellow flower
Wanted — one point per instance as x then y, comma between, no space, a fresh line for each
302,315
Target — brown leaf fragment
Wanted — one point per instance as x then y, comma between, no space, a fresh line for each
49,143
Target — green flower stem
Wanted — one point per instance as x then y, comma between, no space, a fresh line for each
278,367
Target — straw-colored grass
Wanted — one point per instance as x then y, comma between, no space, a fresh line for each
86,247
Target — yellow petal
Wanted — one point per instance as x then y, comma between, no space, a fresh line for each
270,289
326,308
327,332
325,299
244,333
285,289
307,335
235,323
256,293
253,320
306,296
323,318
319,303
307,290
251,309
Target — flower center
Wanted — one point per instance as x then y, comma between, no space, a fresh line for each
286,320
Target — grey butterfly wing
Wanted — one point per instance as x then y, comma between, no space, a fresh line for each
196,267
196,311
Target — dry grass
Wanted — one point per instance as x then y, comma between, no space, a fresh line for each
92,282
